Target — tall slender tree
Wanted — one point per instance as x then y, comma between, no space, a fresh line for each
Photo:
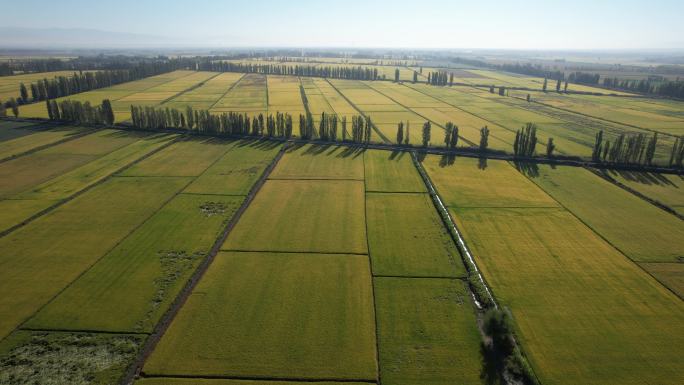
426,133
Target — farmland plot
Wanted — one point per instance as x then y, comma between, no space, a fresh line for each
640,230
206,94
20,174
12,145
284,95
427,332
41,258
312,161
249,96
407,238
131,287
21,206
316,216
583,312
391,171
307,316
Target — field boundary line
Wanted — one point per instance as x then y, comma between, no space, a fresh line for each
378,370
320,179
375,128
421,277
191,88
87,188
232,86
261,378
648,199
101,257
594,231
396,192
48,145
293,252
135,368
93,331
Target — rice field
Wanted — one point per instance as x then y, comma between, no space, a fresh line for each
583,311
330,262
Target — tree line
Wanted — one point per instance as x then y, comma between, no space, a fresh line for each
77,112
86,81
625,149
439,78
334,72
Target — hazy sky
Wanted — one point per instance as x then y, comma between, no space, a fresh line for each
578,24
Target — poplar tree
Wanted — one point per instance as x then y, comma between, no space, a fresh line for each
415,77
23,92
550,147
484,138
407,135
400,133
426,133
545,84
396,75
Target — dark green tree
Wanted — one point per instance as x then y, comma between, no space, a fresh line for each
23,92
545,84
400,133
484,138
426,133
396,75
549,148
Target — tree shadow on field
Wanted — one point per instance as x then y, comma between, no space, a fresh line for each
259,144
647,178
397,154
493,364
316,149
420,155
529,169
447,160
482,163
351,151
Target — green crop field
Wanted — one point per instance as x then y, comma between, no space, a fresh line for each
427,332
583,311
387,171
22,205
640,230
320,162
130,287
20,144
207,254
304,216
310,316
407,238
41,259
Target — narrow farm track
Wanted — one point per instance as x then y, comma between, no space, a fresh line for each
377,131
227,91
162,326
372,276
87,188
192,87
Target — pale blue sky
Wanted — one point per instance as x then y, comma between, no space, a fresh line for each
578,24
